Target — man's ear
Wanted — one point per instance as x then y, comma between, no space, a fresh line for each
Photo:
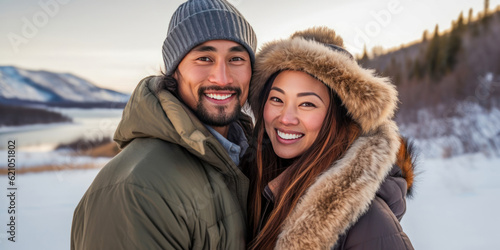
176,75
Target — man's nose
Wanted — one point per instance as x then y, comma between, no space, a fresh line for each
220,74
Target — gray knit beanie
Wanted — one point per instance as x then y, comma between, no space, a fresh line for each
198,21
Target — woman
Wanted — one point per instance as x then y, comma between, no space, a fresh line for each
322,171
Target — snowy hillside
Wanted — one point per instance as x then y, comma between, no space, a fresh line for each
49,87
470,126
472,129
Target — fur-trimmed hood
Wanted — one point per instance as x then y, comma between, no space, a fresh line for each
369,99
342,194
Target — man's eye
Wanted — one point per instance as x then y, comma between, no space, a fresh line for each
234,59
204,59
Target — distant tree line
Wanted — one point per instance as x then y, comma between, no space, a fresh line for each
445,66
18,115
442,50
83,144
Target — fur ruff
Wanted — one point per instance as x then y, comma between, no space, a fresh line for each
369,99
407,161
343,193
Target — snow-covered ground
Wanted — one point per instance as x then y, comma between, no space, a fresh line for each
455,206
44,208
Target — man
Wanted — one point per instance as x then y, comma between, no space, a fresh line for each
176,184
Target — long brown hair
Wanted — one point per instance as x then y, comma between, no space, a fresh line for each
338,132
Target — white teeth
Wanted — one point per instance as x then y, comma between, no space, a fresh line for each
287,136
218,97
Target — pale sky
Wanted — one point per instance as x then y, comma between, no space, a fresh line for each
116,43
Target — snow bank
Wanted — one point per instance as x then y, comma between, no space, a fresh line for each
468,128
455,206
46,202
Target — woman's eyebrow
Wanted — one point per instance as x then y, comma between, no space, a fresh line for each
278,89
309,93
299,94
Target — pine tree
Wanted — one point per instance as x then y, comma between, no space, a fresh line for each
471,17
453,45
365,54
364,59
433,54
460,23
485,18
471,25
486,8
424,36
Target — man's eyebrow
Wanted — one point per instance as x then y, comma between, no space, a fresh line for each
309,93
204,48
238,48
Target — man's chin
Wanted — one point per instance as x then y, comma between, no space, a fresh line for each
218,118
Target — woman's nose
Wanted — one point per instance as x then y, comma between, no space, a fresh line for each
289,116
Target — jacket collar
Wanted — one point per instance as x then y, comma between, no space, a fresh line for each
161,115
236,142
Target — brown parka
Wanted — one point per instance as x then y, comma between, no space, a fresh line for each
357,203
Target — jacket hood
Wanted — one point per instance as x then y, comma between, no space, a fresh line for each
161,115
341,195
369,99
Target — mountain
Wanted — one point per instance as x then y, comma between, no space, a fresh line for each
21,86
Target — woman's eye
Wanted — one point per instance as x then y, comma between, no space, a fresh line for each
275,99
307,104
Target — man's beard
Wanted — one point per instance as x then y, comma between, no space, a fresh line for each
221,117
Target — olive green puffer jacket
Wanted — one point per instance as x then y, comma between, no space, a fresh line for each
172,187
